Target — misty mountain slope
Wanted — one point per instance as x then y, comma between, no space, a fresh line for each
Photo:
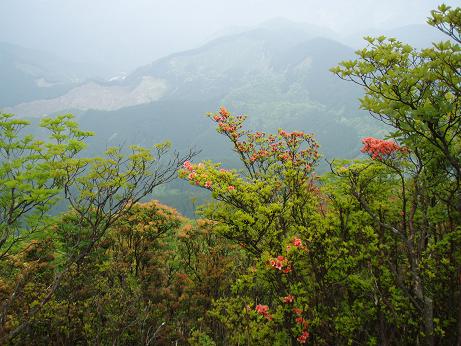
277,61
279,78
253,57
268,74
28,75
278,74
25,77
184,123
97,96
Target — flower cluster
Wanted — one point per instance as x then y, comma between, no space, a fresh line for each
188,165
194,174
297,149
279,263
287,134
264,311
302,339
227,124
288,299
296,243
303,323
379,148
200,175
296,313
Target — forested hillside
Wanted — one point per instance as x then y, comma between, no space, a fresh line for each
365,251
277,72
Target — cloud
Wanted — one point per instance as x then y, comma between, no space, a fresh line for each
126,33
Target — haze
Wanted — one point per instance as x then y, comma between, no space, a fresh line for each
126,34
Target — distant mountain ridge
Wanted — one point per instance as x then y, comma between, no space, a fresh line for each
28,75
280,78
276,73
204,72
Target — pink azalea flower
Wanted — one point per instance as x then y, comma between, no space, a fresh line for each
297,242
303,337
263,310
297,311
288,299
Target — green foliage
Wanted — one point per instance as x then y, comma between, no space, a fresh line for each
35,174
417,93
32,174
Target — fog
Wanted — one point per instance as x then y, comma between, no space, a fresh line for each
124,34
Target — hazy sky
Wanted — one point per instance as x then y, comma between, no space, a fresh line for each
128,33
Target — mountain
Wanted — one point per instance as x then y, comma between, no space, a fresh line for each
28,75
97,95
279,77
277,73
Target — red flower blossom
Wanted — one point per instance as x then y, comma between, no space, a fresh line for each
187,165
224,112
303,337
231,188
379,148
278,262
287,270
297,242
297,311
288,299
283,133
263,310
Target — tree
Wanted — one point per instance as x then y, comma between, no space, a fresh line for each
35,174
260,208
307,269
382,235
417,93
121,292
